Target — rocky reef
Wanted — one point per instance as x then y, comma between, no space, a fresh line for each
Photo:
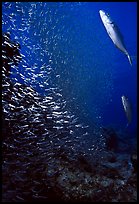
110,180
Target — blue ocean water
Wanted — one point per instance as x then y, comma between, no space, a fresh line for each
64,127
90,71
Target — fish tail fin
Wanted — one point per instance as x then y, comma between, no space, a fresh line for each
129,58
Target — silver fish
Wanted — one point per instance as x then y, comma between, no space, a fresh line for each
127,108
114,33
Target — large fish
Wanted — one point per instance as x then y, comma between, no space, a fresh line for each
114,33
127,108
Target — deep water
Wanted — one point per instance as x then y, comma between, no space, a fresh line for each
62,95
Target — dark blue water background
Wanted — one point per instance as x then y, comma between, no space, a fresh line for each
70,38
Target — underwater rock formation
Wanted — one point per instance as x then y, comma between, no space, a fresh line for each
134,160
108,184
111,138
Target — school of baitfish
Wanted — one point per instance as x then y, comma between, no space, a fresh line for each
36,129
